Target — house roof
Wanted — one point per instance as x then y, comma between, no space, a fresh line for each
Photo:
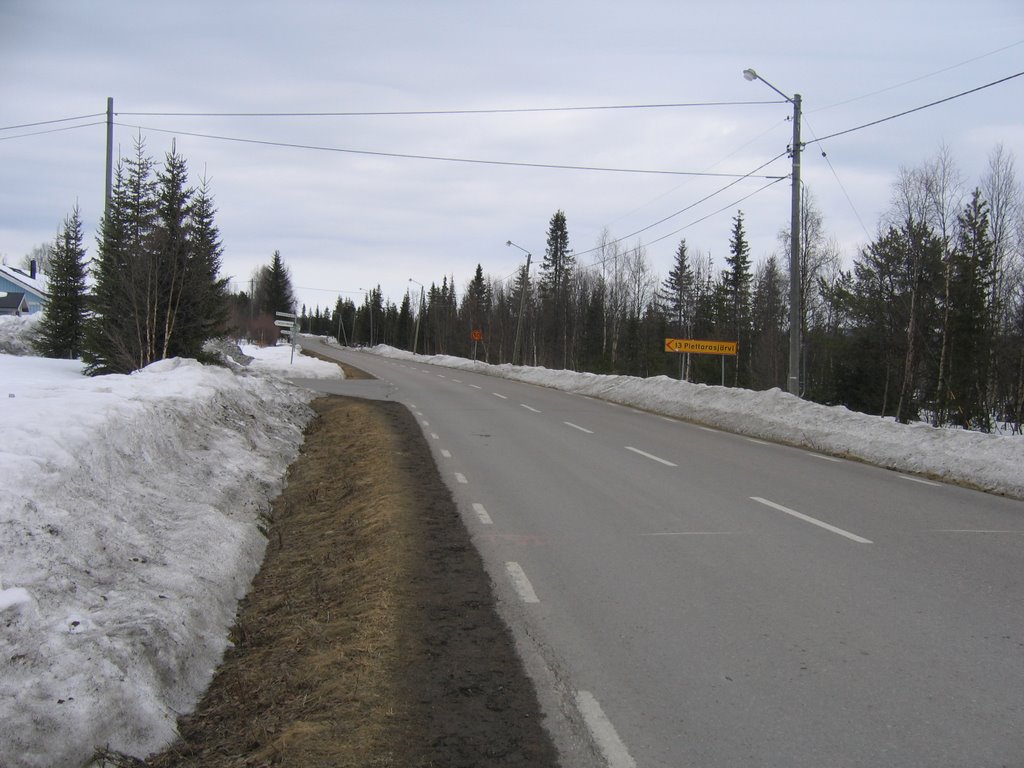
13,301
37,286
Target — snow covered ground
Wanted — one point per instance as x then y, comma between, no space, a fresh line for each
992,462
131,510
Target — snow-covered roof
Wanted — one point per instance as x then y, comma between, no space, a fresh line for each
38,285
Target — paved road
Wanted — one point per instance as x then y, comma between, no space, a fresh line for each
703,599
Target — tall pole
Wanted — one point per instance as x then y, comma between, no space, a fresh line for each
110,156
793,385
794,259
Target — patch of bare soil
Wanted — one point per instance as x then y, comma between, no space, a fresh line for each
370,636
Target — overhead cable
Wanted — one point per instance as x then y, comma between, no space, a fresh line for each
51,122
436,158
425,112
915,109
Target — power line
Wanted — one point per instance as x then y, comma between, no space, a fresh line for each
693,205
434,112
920,78
52,130
915,109
51,122
436,158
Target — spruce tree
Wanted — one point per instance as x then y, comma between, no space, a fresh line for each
677,301
274,287
204,305
737,281
61,329
119,333
969,327
556,273
157,292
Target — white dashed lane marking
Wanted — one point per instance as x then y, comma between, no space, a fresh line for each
650,456
482,514
520,583
811,520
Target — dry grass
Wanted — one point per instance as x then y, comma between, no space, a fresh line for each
369,637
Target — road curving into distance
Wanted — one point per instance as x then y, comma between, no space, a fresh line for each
690,597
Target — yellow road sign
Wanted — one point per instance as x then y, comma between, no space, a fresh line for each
696,346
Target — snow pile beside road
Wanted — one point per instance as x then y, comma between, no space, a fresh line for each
131,510
990,462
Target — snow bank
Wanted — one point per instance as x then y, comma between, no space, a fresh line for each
131,523
16,332
991,462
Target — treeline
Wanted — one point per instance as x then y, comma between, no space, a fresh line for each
928,322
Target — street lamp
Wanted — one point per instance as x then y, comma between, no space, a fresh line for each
794,240
419,312
522,298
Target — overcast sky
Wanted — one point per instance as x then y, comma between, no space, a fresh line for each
345,221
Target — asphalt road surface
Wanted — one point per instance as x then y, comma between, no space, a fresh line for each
690,597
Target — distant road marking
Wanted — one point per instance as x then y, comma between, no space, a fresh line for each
425,423
650,456
919,480
759,442
482,514
692,533
440,376
577,426
811,520
434,436
476,386
457,381
707,429
461,478
501,396
522,584
823,457
969,530
446,453
529,408
614,751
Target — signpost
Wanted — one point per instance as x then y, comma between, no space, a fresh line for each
290,324
703,347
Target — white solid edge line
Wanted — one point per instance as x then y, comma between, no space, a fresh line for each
577,426
823,457
913,479
650,456
522,584
603,731
811,520
482,514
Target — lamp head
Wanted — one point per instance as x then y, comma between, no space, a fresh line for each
749,74
509,242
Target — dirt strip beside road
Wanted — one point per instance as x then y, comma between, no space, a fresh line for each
370,636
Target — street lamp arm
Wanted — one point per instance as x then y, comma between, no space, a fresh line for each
509,242
751,75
